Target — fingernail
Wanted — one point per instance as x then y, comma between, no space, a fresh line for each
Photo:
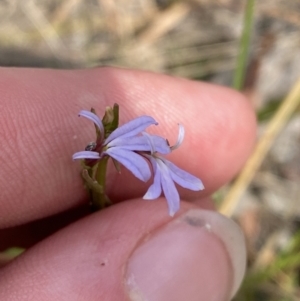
197,256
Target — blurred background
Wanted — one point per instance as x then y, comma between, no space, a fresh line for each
197,39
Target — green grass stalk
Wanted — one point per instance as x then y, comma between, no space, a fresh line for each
240,71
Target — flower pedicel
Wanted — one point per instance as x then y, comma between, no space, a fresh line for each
139,152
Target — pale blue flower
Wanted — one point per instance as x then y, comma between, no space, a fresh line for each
123,144
134,149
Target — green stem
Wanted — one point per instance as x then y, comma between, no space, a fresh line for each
95,181
99,198
239,75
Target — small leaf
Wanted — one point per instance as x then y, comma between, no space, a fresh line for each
111,119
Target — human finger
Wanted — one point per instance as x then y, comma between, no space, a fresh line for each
132,251
27,235
40,131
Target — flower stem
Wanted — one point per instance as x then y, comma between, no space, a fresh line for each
99,198
96,184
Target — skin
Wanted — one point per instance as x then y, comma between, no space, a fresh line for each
42,192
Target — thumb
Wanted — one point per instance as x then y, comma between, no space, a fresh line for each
133,251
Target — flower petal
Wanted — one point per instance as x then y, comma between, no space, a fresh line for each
182,177
132,161
131,128
157,143
169,188
86,155
91,116
136,143
161,145
180,137
150,142
154,191
142,143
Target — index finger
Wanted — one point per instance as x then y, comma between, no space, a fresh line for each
40,131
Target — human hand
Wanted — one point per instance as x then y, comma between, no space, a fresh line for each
132,250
